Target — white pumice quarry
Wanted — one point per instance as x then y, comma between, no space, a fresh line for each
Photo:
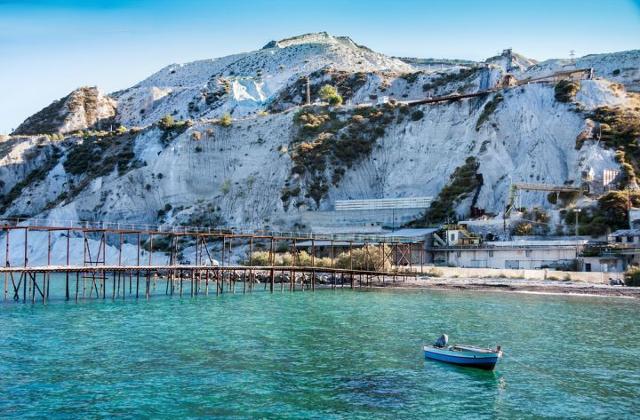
206,172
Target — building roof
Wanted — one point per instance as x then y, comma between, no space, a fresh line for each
406,235
407,232
626,232
384,203
538,242
322,242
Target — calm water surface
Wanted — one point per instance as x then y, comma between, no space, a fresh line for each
328,354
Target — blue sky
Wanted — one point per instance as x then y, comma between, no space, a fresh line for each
50,47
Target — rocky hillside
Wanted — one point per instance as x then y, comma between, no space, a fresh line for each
83,108
230,141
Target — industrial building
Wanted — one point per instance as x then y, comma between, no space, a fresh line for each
366,216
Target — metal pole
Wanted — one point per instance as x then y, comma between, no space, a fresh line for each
251,263
313,264
351,261
45,277
138,271
6,264
66,294
26,259
577,250
272,262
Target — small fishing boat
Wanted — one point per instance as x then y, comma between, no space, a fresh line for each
463,355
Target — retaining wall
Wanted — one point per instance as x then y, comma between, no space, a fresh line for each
545,274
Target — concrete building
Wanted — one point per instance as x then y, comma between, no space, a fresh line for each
517,254
621,250
626,237
602,263
634,218
457,235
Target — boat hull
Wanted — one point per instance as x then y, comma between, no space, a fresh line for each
485,361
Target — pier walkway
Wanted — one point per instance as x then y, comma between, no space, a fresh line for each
190,264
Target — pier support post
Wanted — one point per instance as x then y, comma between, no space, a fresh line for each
313,265
272,262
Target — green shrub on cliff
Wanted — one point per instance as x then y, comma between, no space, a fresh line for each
462,182
330,94
632,277
488,109
566,90
226,120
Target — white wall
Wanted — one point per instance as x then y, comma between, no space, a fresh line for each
531,258
602,264
579,276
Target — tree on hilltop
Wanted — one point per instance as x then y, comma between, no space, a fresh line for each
330,94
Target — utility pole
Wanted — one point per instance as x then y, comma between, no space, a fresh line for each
577,211
627,190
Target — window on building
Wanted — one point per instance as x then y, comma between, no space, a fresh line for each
458,253
491,253
527,253
618,238
629,239
453,237
514,264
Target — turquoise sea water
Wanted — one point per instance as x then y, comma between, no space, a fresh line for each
328,354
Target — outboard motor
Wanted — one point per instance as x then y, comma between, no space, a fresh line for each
442,341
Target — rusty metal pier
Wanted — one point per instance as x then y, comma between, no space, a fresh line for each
95,275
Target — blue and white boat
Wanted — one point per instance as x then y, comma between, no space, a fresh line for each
463,355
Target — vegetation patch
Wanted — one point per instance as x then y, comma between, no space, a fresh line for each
369,257
609,214
330,94
417,115
345,83
410,77
462,182
632,277
327,143
98,156
489,109
51,119
172,128
566,197
444,79
534,222
226,120
566,90
159,243
205,216
620,129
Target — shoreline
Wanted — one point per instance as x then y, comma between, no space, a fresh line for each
524,286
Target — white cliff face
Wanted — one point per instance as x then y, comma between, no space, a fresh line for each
240,169
242,84
529,138
595,93
234,176
621,67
